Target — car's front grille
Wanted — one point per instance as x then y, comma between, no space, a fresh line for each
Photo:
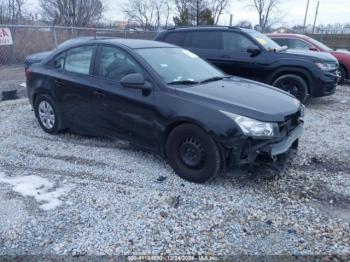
290,123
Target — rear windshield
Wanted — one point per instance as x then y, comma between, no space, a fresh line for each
175,38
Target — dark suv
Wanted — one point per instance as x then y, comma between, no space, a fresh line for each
250,54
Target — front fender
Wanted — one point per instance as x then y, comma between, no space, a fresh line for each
307,75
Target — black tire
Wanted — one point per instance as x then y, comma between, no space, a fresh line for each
294,85
193,154
343,74
55,125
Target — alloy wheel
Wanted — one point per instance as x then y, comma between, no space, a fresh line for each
46,114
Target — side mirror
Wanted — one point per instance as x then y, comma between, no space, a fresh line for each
254,51
133,81
136,81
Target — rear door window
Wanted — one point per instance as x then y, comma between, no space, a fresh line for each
204,40
78,60
75,60
58,62
176,38
281,41
299,44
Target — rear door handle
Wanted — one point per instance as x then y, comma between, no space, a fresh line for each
225,56
58,82
99,93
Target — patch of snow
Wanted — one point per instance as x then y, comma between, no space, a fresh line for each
40,188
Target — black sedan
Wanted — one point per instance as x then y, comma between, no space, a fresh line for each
164,99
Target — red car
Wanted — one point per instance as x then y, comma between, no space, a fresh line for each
295,41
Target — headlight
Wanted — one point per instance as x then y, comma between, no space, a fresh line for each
327,66
252,127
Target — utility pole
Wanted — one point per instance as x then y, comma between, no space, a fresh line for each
307,10
231,19
318,5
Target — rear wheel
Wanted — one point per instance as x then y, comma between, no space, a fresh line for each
47,114
294,85
193,154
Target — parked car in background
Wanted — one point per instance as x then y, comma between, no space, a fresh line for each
250,54
164,99
303,42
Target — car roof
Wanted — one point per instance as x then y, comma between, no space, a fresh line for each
204,28
130,43
136,43
289,35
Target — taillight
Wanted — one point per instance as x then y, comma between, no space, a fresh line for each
27,72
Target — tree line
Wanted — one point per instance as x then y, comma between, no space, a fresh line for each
144,14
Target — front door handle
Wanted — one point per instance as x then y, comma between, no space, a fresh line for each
99,93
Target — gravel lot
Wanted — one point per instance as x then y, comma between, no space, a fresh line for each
97,196
10,79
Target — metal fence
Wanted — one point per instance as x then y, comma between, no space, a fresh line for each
32,39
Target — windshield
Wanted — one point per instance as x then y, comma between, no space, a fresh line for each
265,41
179,65
323,46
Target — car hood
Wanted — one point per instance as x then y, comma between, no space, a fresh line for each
315,56
243,97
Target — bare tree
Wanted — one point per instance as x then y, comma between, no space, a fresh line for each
140,12
72,12
218,6
162,9
267,11
168,10
148,14
193,12
11,11
245,24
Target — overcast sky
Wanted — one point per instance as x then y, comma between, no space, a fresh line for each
292,11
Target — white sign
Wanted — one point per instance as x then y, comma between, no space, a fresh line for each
5,36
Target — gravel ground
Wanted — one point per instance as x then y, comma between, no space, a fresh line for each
113,199
11,77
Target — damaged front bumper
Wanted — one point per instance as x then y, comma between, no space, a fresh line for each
250,151
283,146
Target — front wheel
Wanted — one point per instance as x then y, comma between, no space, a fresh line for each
341,72
193,154
294,85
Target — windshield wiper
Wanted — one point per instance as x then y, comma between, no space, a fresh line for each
213,79
183,82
